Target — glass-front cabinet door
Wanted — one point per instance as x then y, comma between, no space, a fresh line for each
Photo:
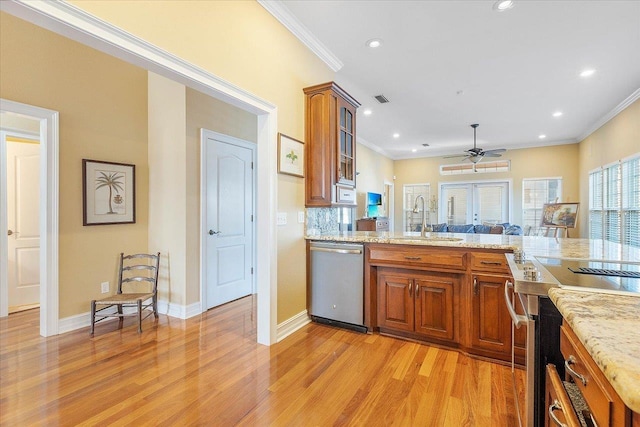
346,144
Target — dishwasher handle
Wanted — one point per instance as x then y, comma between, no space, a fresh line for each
518,319
336,250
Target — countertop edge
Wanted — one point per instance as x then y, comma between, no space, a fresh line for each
584,312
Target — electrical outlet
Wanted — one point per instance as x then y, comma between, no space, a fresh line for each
282,218
301,217
105,287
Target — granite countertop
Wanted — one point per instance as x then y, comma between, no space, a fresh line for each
609,328
531,245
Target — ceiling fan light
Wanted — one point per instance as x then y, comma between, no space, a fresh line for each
502,5
475,159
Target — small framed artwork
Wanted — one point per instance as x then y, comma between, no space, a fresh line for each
559,215
290,156
108,193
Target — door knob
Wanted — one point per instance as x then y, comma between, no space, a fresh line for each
9,233
211,232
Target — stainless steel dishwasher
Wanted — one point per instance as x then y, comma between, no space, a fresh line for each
337,286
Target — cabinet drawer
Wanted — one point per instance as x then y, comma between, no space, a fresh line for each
557,402
494,262
587,376
416,256
382,225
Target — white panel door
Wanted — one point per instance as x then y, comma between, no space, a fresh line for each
229,234
23,193
475,203
490,203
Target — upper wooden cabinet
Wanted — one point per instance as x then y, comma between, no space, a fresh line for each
330,161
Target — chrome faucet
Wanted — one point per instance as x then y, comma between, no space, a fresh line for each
423,229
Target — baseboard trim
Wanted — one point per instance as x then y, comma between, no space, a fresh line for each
292,324
82,320
179,311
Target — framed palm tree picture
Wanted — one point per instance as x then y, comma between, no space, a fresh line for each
108,193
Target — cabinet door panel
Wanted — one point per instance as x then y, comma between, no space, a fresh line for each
395,301
434,307
318,153
491,324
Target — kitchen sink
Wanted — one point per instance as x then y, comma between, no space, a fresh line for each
428,239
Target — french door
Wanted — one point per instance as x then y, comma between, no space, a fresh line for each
474,202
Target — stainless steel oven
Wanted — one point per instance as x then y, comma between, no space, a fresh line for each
530,292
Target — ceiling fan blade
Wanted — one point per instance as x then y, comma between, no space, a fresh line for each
455,156
496,151
490,154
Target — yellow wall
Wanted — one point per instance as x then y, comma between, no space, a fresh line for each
556,161
103,116
242,43
373,170
617,139
167,185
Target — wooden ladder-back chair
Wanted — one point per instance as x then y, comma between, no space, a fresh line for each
135,273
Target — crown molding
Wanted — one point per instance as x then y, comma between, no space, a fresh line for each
374,147
610,115
297,28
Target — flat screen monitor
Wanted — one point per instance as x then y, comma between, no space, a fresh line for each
374,199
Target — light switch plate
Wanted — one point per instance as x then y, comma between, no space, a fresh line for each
104,286
282,218
301,217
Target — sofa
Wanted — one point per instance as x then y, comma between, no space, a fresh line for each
503,228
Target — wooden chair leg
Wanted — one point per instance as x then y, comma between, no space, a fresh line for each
93,316
121,317
155,306
139,316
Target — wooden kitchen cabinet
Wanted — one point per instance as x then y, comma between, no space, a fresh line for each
330,151
491,325
605,405
490,321
557,403
418,303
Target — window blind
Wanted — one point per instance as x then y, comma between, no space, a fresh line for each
614,202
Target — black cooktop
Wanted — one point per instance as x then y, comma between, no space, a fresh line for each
614,276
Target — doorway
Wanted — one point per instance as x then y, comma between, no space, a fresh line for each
47,131
228,218
475,202
388,203
62,18
23,200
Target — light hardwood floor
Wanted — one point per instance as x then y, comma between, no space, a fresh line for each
208,370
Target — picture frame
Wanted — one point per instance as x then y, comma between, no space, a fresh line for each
108,193
561,215
290,156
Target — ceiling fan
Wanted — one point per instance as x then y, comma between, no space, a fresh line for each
476,154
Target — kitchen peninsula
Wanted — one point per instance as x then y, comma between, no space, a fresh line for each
448,290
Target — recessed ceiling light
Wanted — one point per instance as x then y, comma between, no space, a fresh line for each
413,150
396,135
557,114
542,136
367,112
502,5
374,43
587,73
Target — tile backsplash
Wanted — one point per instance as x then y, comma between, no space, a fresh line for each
329,220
